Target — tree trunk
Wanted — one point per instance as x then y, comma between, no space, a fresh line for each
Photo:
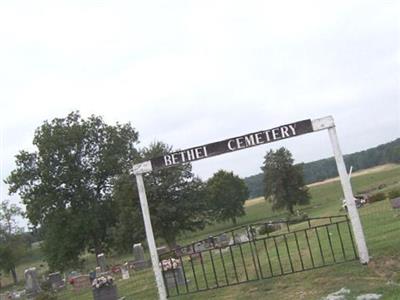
14,275
234,221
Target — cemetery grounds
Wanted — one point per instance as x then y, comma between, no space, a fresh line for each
382,230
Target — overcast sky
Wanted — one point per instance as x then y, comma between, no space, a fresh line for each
194,72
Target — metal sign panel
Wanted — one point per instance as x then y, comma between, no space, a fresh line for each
233,144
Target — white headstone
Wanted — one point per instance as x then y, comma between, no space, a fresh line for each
125,271
32,285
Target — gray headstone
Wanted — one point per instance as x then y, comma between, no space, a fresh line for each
138,252
32,285
222,240
162,250
102,262
241,238
172,275
396,203
201,247
56,280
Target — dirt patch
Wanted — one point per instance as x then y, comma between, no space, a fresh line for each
386,267
254,201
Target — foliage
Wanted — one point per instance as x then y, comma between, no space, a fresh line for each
326,168
128,228
175,197
67,183
377,197
255,185
12,245
226,194
283,182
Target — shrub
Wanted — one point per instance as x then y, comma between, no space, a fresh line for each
394,194
377,197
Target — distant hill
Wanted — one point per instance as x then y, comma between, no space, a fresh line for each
326,168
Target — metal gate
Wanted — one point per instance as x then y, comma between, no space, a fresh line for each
258,251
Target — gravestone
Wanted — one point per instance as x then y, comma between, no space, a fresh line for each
97,271
125,271
241,238
162,250
81,282
32,285
395,203
201,246
138,252
101,258
222,240
172,275
140,264
56,280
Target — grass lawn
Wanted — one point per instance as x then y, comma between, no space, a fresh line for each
382,230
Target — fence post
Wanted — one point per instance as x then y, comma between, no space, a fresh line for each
349,198
139,169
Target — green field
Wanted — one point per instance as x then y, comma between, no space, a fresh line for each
382,230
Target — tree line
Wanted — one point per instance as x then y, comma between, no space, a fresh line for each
326,168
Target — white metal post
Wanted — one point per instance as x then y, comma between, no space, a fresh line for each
150,237
349,198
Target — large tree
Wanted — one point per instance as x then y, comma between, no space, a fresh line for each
226,194
175,197
283,182
12,244
66,184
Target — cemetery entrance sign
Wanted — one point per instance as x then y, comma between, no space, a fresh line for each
232,144
240,143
